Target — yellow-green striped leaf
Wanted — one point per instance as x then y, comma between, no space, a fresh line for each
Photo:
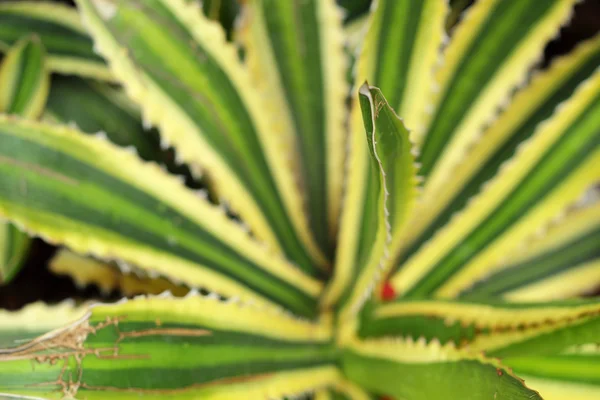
548,172
96,198
59,28
463,322
14,246
24,83
560,263
559,377
429,371
108,277
302,72
176,64
390,193
161,347
494,145
24,79
490,53
398,55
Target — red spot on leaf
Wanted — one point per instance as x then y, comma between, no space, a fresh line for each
387,292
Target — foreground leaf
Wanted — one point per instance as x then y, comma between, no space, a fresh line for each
24,83
177,348
430,371
59,28
390,194
95,198
34,320
390,60
189,82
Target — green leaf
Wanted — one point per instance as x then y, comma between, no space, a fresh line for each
98,199
490,53
302,70
493,146
188,81
464,322
573,376
429,371
195,347
548,173
24,80
398,55
14,246
59,28
559,263
390,195
24,85
98,107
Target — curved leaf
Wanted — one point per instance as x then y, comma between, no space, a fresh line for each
430,372
463,322
161,347
302,72
497,143
565,253
188,80
59,28
490,54
390,195
389,59
24,80
549,172
98,199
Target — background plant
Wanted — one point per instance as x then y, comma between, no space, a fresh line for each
278,214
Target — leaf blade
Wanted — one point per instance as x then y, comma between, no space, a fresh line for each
136,213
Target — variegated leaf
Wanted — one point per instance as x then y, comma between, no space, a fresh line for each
560,377
190,83
463,322
96,198
24,82
108,277
561,262
496,144
389,59
390,192
302,72
548,172
59,28
24,79
429,371
161,347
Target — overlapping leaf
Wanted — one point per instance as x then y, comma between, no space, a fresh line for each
95,198
188,81
177,348
59,28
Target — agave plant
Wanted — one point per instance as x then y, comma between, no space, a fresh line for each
318,247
